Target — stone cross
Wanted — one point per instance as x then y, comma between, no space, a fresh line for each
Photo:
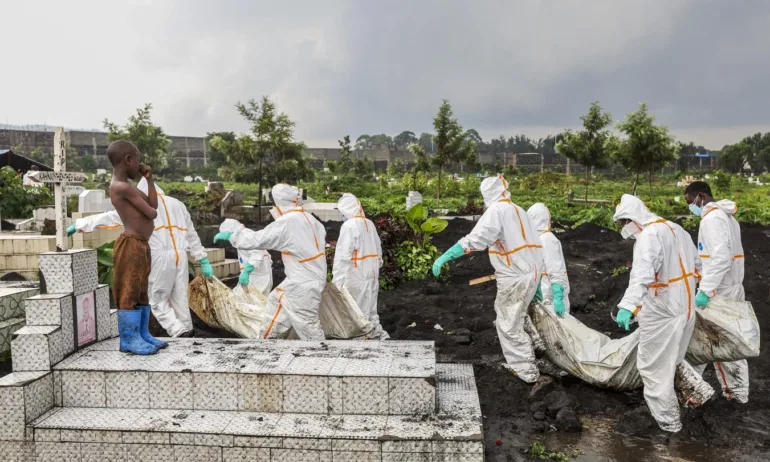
59,177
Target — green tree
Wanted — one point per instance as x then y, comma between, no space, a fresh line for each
474,136
647,145
19,201
590,147
269,154
421,163
452,144
733,157
149,138
216,157
404,139
426,142
38,155
345,164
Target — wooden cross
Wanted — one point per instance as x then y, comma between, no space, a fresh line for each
59,177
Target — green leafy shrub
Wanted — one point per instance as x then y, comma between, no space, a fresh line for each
104,260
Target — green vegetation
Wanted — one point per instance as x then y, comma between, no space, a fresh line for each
19,201
538,451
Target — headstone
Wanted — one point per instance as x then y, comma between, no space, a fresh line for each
73,190
412,199
59,177
94,200
188,179
215,186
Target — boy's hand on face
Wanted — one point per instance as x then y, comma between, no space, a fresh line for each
145,171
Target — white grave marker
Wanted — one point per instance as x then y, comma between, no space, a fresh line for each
59,177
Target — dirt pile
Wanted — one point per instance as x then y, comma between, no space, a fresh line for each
598,262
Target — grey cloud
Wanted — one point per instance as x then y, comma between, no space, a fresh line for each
361,67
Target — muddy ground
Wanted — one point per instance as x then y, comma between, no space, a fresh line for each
719,431
591,254
615,425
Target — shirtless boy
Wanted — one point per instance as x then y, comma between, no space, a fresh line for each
131,254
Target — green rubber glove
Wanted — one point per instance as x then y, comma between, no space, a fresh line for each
454,252
71,230
624,319
206,268
558,300
243,279
538,294
222,237
702,300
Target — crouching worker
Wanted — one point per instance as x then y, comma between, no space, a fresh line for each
131,255
721,255
173,238
661,293
301,240
357,261
554,282
516,255
256,265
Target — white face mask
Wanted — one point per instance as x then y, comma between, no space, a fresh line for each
630,231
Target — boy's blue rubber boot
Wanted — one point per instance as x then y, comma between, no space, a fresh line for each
144,329
131,340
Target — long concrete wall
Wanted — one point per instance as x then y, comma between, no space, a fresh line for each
193,152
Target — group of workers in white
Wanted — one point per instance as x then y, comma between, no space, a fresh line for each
670,278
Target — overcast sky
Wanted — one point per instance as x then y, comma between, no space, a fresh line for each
342,67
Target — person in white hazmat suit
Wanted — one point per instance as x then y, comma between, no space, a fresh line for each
256,265
720,252
516,254
357,261
173,238
554,282
661,293
301,240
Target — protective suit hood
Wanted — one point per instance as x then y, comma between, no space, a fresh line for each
540,216
632,208
142,186
286,197
230,226
494,189
727,206
350,206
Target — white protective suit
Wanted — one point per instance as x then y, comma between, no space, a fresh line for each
721,254
661,293
301,240
357,261
555,271
173,238
516,255
262,276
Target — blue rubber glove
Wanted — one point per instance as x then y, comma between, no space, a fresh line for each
71,230
624,319
243,279
206,268
454,252
558,300
702,300
538,294
222,237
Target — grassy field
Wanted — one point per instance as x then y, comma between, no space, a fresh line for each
388,195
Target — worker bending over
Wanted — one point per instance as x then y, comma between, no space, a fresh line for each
661,293
516,254
256,265
554,282
301,240
721,256
357,261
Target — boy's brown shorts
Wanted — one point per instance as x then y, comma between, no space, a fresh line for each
130,271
